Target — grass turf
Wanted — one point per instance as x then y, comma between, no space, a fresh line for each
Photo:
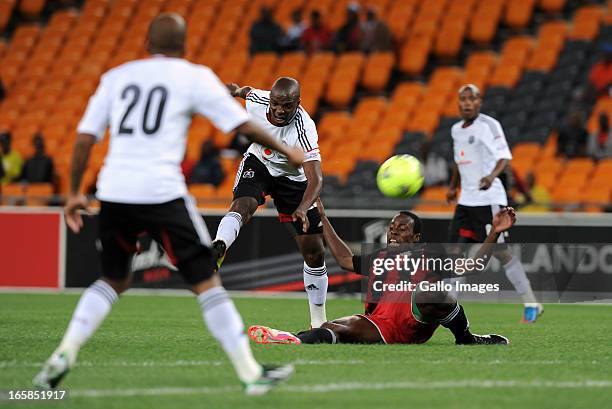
152,344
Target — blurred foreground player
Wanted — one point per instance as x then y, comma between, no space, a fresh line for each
392,322
148,105
266,172
481,153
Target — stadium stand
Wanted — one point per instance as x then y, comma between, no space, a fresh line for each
529,56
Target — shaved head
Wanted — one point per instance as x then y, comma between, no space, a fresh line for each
286,87
167,34
284,101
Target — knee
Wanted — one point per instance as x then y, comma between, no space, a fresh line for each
314,257
434,305
245,206
119,285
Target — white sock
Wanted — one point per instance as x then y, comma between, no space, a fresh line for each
229,228
92,309
225,323
315,283
516,274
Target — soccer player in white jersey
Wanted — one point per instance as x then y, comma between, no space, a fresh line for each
148,105
480,154
265,172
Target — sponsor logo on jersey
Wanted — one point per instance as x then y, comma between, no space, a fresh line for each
471,139
249,174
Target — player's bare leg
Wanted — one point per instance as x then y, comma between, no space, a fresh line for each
355,329
442,307
239,214
94,306
315,275
516,275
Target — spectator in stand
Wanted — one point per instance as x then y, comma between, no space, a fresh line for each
208,168
317,36
376,34
291,41
265,34
572,137
600,142
9,159
600,76
39,168
349,36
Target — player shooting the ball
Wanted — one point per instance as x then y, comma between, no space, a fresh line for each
412,321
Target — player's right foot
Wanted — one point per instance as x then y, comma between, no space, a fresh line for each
532,312
219,249
53,371
271,376
492,339
267,335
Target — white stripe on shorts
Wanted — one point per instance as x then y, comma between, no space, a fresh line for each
240,169
198,221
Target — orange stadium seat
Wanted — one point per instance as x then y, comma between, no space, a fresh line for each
6,10
552,6
31,8
12,193
519,12
38,194
377,71
485,20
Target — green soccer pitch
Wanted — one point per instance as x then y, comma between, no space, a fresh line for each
154,352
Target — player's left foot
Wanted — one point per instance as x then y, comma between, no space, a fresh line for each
266,335
492,339
219,249
532,312
53,371
271,376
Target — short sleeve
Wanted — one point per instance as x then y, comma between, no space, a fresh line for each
307,136
257,98
495,140
212,99
97,115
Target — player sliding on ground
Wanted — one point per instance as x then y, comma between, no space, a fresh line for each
148,105
410,322
264,171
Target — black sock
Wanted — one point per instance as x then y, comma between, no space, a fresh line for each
459,325
317,336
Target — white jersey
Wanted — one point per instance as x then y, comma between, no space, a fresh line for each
300,132
148,105
477,149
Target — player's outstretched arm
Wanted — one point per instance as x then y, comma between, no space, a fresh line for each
76,201
238,91
339,249
257,134
502,221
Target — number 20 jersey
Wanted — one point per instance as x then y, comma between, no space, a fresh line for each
148,105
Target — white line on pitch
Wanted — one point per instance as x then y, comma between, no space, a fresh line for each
180,363
351,386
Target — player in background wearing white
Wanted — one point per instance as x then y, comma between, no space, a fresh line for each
265,172
148,105
481,153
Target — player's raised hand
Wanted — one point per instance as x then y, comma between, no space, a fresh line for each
295,156
300,214
71,212
504,219
233,89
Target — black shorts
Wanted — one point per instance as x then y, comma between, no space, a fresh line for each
254,180
472,224
176,225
